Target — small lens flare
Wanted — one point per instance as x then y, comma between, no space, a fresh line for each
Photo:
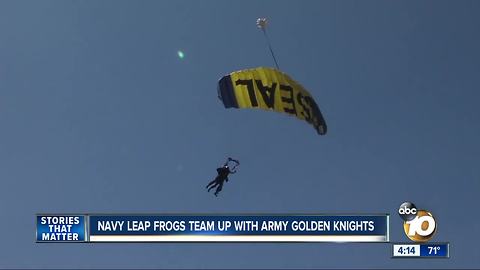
180,54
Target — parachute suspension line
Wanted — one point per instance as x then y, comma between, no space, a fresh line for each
262,23
270,47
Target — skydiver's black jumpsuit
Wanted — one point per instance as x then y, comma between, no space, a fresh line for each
223,173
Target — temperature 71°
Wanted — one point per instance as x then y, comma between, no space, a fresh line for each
433,249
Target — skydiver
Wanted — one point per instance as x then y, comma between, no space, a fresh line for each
222,175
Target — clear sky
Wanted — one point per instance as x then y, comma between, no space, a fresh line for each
99,114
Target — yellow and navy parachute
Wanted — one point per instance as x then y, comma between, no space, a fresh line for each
270,89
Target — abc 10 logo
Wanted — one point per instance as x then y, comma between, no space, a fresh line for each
419,225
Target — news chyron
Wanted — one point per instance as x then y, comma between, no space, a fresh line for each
291,228
419,226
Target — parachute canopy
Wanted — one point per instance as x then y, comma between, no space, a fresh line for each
270,89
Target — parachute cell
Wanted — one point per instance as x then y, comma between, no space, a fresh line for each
270,89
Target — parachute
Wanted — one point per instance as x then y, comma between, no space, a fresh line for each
233,167
270,89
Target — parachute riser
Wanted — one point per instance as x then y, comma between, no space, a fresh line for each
236,163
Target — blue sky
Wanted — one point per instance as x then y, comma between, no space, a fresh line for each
98,114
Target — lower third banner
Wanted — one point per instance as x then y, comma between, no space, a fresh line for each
227,228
